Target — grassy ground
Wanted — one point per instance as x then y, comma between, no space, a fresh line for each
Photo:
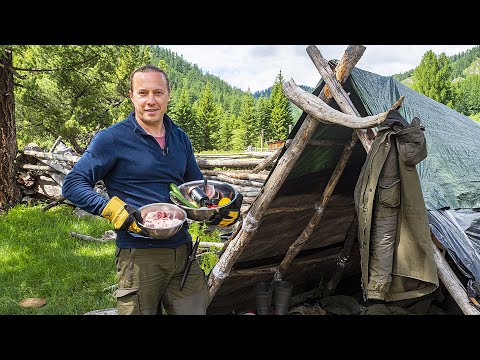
40,259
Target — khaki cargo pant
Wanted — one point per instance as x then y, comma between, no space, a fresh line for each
150,278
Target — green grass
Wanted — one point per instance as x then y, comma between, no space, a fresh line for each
40,259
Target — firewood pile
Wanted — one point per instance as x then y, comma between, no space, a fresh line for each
41,172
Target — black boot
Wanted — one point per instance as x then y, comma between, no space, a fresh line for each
281,297
263,297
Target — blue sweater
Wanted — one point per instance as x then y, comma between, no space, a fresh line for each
135,168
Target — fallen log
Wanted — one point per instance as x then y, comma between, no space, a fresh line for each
230,180
235,182
235,163
238,175
35,167
51,156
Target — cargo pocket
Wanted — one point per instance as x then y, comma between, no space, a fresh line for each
389,192
127,301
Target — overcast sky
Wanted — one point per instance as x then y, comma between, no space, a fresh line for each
255,67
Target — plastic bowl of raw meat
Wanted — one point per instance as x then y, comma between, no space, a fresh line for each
162,220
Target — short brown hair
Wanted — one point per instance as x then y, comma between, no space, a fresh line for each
149,68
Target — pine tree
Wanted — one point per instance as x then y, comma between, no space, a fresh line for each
433,77
182,112
239,133
207,116
225,132
247,117
281,116
263,112
468,95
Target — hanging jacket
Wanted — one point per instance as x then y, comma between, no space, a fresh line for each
395,245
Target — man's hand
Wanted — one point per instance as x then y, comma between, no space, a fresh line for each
122,216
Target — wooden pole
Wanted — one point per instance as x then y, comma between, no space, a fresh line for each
342,259
261,140
453,285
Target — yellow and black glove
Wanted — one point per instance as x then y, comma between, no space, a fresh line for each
122,216
229,214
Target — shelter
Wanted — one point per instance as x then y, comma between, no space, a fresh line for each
302,228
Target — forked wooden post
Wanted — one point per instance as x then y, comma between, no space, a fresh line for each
278,176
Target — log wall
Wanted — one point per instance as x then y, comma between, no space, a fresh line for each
40,173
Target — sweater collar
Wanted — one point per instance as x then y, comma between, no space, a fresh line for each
167,122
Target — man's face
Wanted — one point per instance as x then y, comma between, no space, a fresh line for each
149,96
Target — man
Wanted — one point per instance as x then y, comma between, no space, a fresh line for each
137,159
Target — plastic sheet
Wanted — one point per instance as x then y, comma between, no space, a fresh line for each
459,232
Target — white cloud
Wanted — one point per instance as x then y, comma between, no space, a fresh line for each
256,66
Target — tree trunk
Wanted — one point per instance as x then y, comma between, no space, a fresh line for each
9,192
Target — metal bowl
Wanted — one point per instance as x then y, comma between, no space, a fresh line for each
215,190
163,233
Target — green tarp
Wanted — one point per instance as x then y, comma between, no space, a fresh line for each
450,175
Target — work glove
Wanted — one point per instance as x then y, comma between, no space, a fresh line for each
229,214
123,216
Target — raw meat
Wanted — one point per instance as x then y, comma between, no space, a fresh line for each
160,219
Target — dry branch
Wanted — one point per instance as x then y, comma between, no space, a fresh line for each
85,237
267,162
326,114
55,144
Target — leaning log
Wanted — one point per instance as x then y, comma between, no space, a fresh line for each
453,285
267,162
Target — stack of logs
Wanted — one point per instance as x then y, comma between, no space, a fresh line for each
41,173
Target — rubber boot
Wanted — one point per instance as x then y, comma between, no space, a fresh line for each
263,298
281,297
